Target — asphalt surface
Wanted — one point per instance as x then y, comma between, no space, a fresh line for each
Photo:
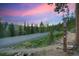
5,42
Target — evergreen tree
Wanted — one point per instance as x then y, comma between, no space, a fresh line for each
25,29
71,23
59,27
32,29
28,29
11,29
63,7
47,27
5,25
20,30
1,29
36,30
41,27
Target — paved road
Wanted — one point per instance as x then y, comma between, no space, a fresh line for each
4,42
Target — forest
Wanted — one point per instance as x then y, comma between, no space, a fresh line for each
9,30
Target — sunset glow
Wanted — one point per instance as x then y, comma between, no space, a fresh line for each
31,12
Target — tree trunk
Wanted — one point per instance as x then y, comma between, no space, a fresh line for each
77,24
65,36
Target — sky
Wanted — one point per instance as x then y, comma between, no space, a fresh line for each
31,13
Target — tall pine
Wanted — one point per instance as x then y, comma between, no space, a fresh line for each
41,27
20,30
11,29
1,29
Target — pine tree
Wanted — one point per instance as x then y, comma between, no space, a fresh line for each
1,29
41,27
36,30
63,7
32,29
11,29
5,25
20,30
25,29
47,27
28,29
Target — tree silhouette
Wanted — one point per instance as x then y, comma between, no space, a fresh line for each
41,27
20,30
36,29
11,29
1,29
25,29
61,7
5,25
32,29
48,27
28,29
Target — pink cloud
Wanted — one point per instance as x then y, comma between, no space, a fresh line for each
41,9
38,10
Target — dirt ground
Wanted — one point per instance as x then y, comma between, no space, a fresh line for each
56,49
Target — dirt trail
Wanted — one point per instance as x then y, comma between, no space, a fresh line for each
55,49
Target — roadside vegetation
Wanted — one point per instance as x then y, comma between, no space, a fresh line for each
39,42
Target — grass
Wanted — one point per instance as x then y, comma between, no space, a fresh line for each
39,42
33,44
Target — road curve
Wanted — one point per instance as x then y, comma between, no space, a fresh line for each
4,42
